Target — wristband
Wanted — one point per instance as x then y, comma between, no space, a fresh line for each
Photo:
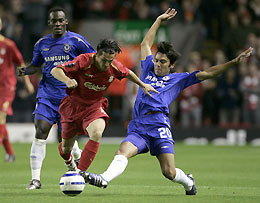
26,71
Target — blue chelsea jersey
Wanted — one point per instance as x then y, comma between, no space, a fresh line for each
52,52
168,86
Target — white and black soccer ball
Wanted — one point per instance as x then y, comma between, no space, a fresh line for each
72,183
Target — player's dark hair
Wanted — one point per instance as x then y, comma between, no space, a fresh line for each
167,49
56,9
109,46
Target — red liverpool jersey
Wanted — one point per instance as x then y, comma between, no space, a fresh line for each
92,83
9,55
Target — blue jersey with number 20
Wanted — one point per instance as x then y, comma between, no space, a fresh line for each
169,87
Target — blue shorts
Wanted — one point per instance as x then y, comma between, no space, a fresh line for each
151,132
48,111
144,143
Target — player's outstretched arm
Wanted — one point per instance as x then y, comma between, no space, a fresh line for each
214,71
148,40
59,74
146,87
29,70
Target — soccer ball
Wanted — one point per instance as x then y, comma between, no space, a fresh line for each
72,183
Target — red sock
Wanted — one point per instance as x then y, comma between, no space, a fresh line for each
88,154
64,156
6,143
1,133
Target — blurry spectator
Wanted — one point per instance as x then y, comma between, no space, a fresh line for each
209,99
212,17
255,7
190,104
231,37
190,10
250,87
229,99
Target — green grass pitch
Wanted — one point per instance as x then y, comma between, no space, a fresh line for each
222,174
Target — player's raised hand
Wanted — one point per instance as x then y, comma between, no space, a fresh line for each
147,88
243,55
72,83
167,15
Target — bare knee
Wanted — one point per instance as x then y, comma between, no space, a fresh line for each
169,173
96,135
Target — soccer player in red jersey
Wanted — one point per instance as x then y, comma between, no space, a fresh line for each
9,55
83,111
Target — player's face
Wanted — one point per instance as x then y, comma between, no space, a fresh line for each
104,60
58,22
161,64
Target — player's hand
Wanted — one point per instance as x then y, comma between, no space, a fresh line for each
147,88
243,55
167,15
21,70
72,83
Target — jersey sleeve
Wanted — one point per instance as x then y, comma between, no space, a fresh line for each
38,59
189,79
120,70
78,63
16,55
83,45
147,65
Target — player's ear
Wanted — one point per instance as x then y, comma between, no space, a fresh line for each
66,21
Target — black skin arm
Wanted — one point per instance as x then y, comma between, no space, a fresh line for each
32,69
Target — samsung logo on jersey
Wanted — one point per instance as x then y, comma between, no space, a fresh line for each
149,77
57,58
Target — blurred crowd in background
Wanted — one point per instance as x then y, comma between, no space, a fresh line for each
230,26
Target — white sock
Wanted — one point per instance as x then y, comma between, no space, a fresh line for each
38,151
183,179
116,168
76,152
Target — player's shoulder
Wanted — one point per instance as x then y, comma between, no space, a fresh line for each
117,65
8,41
43,39
75,36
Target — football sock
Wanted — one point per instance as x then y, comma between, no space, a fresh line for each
7,145
116,168
76,152
38,151
2,133
66,157
183,179
88,154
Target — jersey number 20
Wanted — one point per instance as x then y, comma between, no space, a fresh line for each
165,133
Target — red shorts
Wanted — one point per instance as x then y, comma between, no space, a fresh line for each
6,105
76,117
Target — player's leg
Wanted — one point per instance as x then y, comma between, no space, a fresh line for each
76,151
38,151
4,138
116,168
69,132
120,161
95,130
65,148
131,145
175,174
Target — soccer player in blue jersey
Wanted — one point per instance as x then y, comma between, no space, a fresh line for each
150,128
59,47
